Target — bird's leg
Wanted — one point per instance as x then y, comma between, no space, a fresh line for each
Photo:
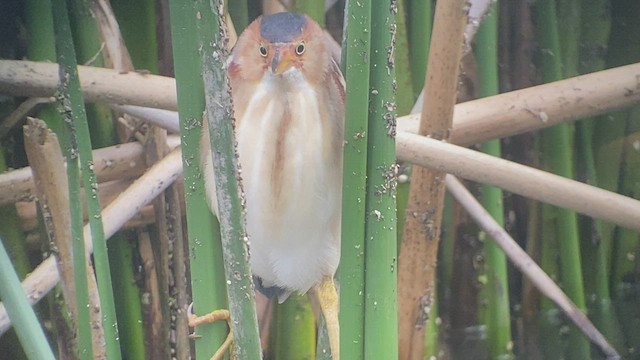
327,296
213,316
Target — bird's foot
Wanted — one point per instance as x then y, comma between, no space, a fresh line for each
327,297
211,317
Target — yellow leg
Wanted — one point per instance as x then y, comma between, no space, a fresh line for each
213,316
327,297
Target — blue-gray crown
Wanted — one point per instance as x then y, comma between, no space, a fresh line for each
282,27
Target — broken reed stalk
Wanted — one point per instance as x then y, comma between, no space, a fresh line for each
114,216
43,151
45,157
124,161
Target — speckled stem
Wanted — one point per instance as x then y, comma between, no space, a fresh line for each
231,211
380,297
356,53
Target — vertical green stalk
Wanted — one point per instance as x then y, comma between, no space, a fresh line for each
137,21
625,261
596,24
20,311
71,107
294,330
41,47
205,251
356,54
79,149
12,233
557,155
140,35
420,23
88,49
404,96
432,331
532,307
624,48
594,35
219,112
315,9
89,44
549,329
128,306
39,24
550,252
381,314
239,11
128,309
494,306
570,13
38,21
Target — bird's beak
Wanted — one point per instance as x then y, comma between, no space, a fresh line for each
282,61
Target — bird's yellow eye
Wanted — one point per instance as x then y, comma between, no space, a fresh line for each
300,48
263,51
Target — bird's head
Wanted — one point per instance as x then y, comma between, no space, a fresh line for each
284,45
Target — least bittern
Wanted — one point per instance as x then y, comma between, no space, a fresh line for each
288,100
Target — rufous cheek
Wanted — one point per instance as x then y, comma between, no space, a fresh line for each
233,70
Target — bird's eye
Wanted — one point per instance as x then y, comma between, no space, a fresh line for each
300,48
263,50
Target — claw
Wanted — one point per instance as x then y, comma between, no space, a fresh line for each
190,316
211,317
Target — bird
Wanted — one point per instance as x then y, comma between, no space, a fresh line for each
289,99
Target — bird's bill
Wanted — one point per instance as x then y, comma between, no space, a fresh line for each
282,60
